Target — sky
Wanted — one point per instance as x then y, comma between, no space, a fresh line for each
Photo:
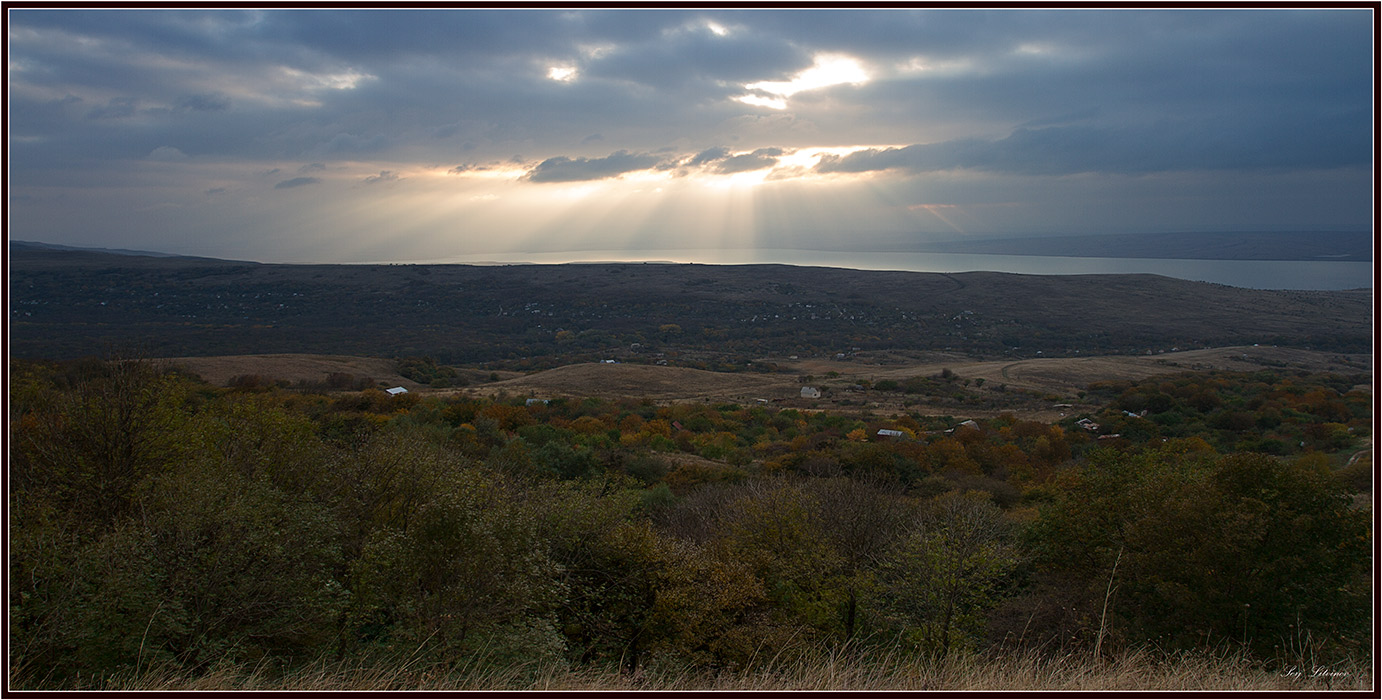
312,135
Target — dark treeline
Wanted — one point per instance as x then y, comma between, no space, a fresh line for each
158,520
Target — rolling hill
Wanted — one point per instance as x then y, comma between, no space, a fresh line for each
73,303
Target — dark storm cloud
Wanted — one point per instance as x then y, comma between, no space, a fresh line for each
1161,147
116,108
209,102
697,57
563,169
1018,92
386,34
429,75
297,182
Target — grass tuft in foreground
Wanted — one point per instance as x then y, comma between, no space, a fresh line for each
822,671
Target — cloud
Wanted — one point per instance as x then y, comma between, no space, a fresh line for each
563,169
719,160
744,162
383,176
297,182
1025,98
1164,146
207,102
1076,116
709,155
116,108
312,167
352,143
166,154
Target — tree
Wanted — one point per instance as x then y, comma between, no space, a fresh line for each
937,583
92,444
467,571
861,520
610,565
1247,548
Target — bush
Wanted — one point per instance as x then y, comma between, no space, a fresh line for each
1245,549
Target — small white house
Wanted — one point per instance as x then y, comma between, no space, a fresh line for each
884,432
810,392
396,391
969,424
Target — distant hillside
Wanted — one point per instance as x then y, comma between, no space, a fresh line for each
68,304
1314,245
37,246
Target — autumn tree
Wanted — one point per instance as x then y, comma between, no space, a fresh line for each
1247,548
938,581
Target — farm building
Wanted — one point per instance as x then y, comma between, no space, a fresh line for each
884,432
396,391
810,392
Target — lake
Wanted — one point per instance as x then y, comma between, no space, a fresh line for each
1253,274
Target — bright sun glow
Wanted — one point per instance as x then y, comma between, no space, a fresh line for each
563,74
758,101
828,70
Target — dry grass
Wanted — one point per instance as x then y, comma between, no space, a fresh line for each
1061,376
291,367
644,381
826,671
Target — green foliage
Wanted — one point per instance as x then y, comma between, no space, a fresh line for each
92,445
159,522
936,583
610,562
1247,549
465,569
1273,412
425,370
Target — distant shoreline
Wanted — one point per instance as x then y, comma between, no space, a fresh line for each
1303,246
1328,268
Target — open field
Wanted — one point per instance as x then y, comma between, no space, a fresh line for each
291,368
1063,377
643,381
294,368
